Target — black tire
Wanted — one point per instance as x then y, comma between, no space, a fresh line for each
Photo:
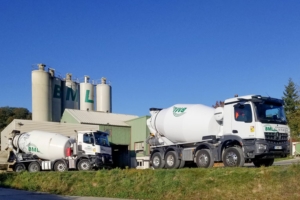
172,161
257,163
204,158
157,161
34,167
233,157
84,165
263,162
60,166
269,162
19,167
182,164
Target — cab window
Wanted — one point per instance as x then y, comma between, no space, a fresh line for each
243,113
87,138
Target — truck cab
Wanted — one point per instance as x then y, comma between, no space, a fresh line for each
95,144
261,123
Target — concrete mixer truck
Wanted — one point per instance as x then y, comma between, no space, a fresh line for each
249,128
39,150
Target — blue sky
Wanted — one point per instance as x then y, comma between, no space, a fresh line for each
154,53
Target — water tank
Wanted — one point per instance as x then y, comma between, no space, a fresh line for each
70,93
41,101
56,95
86,95
45,145
104,96
184,122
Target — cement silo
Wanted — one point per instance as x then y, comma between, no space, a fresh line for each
41,101
56,95
70,93
86,95
104,96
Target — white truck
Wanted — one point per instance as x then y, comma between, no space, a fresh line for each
248,129
39,150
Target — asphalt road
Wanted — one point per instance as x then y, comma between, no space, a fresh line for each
12,194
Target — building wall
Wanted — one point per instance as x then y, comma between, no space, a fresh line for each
118,135
5,135
66,129
119,138
139,134
139,151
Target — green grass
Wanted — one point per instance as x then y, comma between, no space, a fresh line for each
277,182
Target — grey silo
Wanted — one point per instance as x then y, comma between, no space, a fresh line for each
87,95
41,101
104,96
56,96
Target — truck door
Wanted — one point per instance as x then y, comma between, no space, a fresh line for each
88,145
243,123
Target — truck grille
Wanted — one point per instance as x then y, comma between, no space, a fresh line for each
276,137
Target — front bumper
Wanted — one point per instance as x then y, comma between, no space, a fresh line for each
103,160
266,149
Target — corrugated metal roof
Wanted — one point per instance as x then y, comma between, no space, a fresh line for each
100,118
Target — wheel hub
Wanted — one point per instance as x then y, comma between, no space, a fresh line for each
203,159
61,167
156,161
170,160
231,159
85,166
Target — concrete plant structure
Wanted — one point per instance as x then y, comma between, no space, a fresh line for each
62,105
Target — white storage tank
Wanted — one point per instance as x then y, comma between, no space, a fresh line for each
56,95
184,122
45,145
41,100
70,93
86,95
104,96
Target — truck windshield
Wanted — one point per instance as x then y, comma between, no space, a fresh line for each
101,139
270,112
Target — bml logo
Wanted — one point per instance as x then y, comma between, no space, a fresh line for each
270,128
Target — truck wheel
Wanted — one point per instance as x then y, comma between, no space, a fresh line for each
263,162
157,161
172,161
34,167
204,158
19,167
257,163
60,166
84,165
233,157
269,162
182,163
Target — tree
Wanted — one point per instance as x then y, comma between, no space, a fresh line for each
8,114
218,104
292,108
291,97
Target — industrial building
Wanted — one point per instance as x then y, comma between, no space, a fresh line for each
63,105
127,134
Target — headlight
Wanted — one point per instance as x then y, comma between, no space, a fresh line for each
262,146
